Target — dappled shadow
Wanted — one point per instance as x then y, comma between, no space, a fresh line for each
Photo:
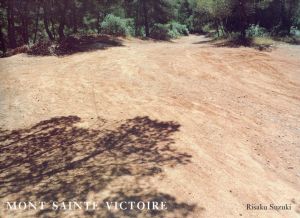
292,40
233,43
72,44
149,39
259,43
237,43
206,41
57,160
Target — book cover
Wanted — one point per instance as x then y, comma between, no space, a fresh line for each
149,108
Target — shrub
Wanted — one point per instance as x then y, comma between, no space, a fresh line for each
117,26
173,34
207,28
168,31
41,48
179,29
256,31
221,34
19,50
130,26
160,31
295,31
140,32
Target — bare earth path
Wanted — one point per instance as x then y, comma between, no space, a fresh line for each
238,111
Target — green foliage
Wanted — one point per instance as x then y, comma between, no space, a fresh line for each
168,31
116,26
256,31
25,22
295,31
179,29
130,26
253,18
160,32
207,28
140,32
216,8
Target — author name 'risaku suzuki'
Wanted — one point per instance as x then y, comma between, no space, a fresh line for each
86,205
268,207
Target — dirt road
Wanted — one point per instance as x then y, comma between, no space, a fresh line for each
207,129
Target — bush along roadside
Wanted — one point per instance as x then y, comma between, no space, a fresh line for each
168,31
117,26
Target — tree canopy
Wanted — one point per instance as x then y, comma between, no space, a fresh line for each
28,21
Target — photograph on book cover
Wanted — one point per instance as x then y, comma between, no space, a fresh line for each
149,108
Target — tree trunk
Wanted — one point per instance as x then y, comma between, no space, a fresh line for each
255,12
62,21
285,19
36,22
24,17
46,22
74,17
25,35
98,23
11,24
243,19
137,22
2,41
217,27
146,22
53,28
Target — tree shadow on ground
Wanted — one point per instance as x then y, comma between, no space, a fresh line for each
208,41
235,43
73,44
149,39
247,42
258,43
58,160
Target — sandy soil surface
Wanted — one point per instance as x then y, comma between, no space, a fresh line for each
206,129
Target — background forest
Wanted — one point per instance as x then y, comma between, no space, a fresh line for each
27,22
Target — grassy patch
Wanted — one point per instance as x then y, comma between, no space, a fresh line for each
266,41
